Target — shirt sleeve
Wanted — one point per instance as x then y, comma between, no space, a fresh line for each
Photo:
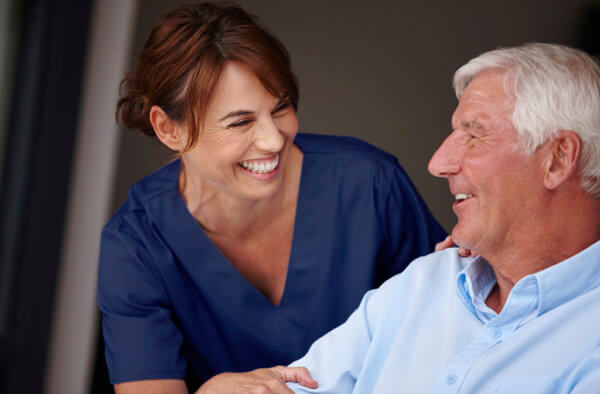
585,378
335,359
409,228
141,338
340,357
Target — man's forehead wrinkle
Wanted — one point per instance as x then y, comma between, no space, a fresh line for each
468,117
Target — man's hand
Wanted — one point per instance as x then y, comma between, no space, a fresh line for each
449,243
265,380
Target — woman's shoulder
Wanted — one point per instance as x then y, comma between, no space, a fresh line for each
323,143
352,152
350,158
132,238
161,183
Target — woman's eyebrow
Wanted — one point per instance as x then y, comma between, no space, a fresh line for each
236,113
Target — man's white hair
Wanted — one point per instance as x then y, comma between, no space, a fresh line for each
555,88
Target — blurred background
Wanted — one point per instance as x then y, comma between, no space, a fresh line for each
378,70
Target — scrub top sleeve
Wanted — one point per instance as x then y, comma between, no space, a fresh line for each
141,338
409,227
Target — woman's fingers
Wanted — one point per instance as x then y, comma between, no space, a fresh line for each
263,381
445,244
296,374
462,252
448,242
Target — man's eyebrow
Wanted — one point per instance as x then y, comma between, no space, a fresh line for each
471,125
235,113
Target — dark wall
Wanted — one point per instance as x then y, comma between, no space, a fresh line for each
380,70
42,119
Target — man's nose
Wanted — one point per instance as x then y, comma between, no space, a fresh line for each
444,161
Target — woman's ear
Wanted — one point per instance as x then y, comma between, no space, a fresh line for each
563,157
168,131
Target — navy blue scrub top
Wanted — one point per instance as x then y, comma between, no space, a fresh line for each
170,300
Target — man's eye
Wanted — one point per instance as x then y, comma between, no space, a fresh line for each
471,139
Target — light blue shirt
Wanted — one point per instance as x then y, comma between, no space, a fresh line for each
429,330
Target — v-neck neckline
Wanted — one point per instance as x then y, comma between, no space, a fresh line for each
234,270
220,284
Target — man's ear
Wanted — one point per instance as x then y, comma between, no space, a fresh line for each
563,157
168,131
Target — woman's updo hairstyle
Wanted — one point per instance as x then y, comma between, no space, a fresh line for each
184,57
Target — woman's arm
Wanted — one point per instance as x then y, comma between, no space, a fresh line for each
154,386
142,341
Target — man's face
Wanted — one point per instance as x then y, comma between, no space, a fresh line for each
495,184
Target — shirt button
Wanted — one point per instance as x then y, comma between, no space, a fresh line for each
450,379
495,333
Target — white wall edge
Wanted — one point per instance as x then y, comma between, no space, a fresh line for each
73,333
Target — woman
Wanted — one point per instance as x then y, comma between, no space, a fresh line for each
255,241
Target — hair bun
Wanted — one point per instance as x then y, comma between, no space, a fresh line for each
134,109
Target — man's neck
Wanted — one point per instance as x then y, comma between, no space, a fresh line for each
560,237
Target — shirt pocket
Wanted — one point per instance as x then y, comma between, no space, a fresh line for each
528,384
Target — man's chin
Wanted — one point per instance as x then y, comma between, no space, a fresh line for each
460,239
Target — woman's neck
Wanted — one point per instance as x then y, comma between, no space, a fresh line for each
228,215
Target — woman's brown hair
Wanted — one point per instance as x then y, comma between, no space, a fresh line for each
182,61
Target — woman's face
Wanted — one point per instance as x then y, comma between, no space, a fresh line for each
246,140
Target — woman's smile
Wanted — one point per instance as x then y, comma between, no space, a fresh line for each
264,168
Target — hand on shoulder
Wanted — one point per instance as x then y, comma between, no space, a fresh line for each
448,242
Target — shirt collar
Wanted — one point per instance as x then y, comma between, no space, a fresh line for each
552,286
474,284
570,278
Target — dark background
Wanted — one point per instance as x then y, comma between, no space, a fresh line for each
377,70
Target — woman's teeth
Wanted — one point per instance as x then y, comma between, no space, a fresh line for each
261,168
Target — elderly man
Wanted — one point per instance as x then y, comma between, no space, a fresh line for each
523,163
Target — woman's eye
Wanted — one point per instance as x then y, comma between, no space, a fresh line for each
281,108
240,123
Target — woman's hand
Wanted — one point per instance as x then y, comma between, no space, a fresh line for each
449,243
265,380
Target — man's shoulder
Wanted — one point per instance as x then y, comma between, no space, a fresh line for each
425,274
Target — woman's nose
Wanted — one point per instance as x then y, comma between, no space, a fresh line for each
268,138
444,161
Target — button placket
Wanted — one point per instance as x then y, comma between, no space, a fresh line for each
450,379
495,333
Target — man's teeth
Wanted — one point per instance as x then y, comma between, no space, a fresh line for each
262,167
462,196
